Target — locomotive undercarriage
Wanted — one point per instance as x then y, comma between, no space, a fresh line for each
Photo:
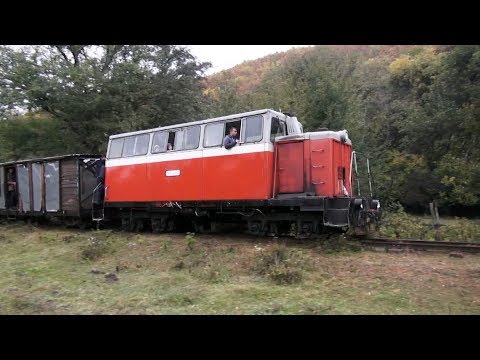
300,218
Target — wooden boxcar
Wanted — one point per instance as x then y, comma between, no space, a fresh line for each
58,186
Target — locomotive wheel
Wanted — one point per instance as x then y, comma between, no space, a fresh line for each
170,224
125,224
139,225
128,225
158,225
255,228
272,228
199,227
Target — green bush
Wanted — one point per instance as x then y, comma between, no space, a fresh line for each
190,238
460,229
398,224
281,265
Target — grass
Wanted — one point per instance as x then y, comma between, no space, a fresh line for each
49,271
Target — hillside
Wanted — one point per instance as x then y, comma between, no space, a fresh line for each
414,110
249,74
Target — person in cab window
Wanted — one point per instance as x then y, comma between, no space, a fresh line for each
231,139
169,147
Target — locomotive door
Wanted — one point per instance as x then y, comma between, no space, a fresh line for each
290,167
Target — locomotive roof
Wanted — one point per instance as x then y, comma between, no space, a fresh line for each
316,135
199,122
51,158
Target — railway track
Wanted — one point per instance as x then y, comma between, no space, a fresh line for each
423,245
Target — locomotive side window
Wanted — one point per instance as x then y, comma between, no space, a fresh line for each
160,140
129,146
136,145
141,144
185,139
178,143
252,129
277,129
116,147
213,135
192,137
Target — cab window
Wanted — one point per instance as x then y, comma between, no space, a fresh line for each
252,129
277,129
160,141
192,137
141,144
174,140
136,145
213,134
116,147
237,124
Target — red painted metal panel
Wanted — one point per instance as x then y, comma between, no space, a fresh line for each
290,167
328,159
242,176
321,166
127,183
234,177
175,180
347,158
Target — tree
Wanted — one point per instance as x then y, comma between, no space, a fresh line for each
413,110
95,91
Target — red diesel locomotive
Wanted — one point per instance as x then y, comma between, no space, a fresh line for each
277,179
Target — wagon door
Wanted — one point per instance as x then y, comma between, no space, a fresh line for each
23,178
37,186
2,188
52,186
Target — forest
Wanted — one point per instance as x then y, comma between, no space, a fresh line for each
412,110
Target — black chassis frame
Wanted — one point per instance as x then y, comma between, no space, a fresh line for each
337,212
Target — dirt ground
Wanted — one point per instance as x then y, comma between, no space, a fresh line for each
59,271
